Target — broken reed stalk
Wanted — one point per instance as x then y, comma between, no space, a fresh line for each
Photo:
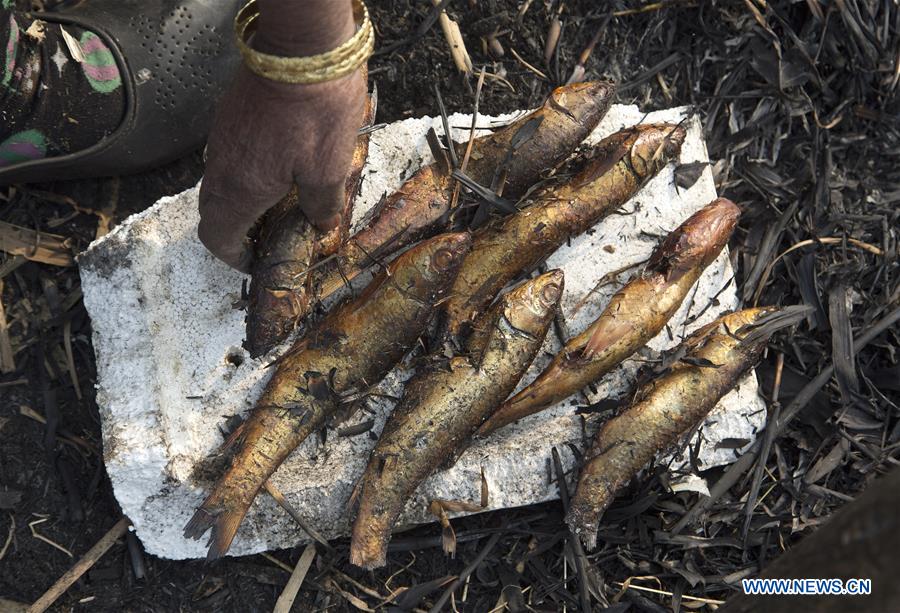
67,345
275,493
40,247
553,33
82,566
524,63
7,355
9,537
522,10
654,6
579,69
699,599
289,594
455,40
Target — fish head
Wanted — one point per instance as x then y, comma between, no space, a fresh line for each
653,146
431,266
697,241
532,305
741,320
586,102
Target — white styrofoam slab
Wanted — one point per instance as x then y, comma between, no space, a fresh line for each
172,370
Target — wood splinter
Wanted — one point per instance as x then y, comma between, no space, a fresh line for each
82,566
455,40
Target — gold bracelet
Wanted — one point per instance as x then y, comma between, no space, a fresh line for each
334,64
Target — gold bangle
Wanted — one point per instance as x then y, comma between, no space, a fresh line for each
334,64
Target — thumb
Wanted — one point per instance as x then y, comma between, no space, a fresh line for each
225,221
322,205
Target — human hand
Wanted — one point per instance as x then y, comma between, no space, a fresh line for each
266,136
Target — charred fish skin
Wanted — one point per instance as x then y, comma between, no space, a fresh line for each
566,118
617,168
443,405
353,348
285,248
671,406
634,316
415,210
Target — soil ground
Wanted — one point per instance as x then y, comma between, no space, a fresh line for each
799,104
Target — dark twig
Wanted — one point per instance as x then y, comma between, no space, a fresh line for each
468,570
419,32
581,562
768,439
451,150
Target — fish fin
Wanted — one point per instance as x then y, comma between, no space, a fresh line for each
354,496
605,336
232,438
583,520
769,323
371,529
223,521
439,509
370,552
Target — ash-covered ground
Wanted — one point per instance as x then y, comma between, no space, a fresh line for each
799,105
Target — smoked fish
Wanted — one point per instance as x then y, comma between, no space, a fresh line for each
443,405
635,314
520,152
615,170
349,351
285,247
713,360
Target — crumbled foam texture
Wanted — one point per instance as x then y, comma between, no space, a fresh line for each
172,371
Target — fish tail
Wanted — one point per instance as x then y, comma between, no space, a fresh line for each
584,521
593,495
368,549
223,517
372,529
